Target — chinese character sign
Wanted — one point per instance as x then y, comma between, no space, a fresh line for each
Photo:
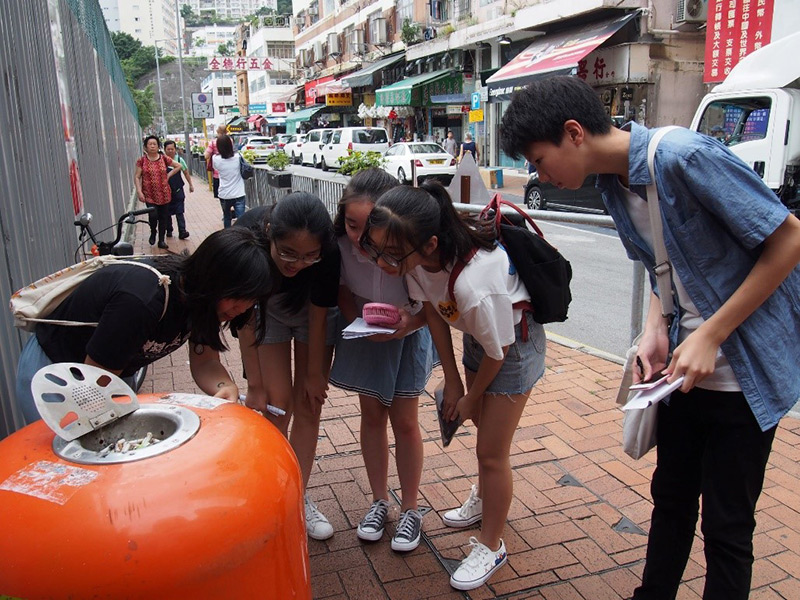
239,63
735,29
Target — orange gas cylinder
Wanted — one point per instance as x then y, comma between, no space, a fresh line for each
218,515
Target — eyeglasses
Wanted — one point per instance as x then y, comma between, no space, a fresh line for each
375,254
290,258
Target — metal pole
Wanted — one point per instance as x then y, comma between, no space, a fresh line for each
160,97
180,74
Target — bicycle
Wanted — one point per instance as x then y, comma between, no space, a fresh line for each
116,247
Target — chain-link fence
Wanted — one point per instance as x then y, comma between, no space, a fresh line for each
71,139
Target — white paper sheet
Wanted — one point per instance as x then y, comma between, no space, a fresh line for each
646,398
360,328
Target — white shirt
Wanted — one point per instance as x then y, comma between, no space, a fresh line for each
484,293
367,281
723,378
231,184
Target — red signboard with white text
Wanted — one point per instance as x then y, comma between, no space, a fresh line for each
311,89
735,29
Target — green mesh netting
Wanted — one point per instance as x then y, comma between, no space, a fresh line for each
90,16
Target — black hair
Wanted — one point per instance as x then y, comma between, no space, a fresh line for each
301,211
225,146
169,143
151,137
412,215
370,183
232,263
537,113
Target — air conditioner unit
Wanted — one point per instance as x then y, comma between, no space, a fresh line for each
318,53
313,10
357,45
381,32
691,11
333,44
303,57
308,73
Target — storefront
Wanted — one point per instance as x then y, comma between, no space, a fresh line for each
298,121
598,53
448,114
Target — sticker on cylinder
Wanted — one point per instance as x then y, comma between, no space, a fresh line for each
54,482
194,400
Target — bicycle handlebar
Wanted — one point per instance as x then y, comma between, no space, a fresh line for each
107,247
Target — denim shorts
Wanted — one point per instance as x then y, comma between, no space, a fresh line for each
524,363
285,326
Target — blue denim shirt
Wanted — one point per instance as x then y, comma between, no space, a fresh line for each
717,213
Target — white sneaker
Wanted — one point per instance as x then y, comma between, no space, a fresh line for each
409,529
317,526
479,566
371,526
470,512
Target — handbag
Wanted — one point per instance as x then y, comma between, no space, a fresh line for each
33,303
639,426
245,168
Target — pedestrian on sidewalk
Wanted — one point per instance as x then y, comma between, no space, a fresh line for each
178,196
389,372
209,154
468,147
152,187
302,309
735,332
465,280
140,320
231,184
450,144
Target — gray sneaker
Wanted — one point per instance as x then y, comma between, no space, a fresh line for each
409,527
371,526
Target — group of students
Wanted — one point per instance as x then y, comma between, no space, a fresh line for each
159,180
278,276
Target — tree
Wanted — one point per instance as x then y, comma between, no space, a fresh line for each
284,7
187,13
125,44
225,49
145,103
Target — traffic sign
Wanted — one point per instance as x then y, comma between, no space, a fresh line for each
476,100
202,106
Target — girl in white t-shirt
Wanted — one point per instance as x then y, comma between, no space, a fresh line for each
388,372
453,265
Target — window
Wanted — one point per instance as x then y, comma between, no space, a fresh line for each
369,136
374,36
404,10
735,121
439,10
337,137
224,91
280,50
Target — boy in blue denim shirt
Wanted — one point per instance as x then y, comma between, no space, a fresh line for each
734,335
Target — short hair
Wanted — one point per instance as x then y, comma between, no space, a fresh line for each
537,113
151,137
468,136
169,143
225,146
369,184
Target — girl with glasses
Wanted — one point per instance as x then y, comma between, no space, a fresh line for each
464,280
301,309
389,372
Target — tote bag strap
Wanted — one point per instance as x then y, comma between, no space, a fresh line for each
663,267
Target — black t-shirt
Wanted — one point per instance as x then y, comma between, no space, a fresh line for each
127,302
321,279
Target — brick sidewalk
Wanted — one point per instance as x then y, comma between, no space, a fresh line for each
581,508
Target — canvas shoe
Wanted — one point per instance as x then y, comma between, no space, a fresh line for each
371,526
479,566
470,512
317,526
408,533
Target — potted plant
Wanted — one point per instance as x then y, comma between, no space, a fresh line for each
356,161
276,175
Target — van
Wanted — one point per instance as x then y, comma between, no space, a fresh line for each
312,148
357,139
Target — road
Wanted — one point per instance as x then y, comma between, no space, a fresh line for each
599,316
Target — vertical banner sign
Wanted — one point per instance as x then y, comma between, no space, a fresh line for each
735,29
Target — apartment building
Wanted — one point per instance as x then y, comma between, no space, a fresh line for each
229,9
149,21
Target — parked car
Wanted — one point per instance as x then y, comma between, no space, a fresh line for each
261,145
293,147
280,140
356,139
429,159
543,196
312,148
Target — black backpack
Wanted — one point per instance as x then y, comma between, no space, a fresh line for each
544,271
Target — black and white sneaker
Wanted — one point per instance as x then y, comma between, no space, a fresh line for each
371,526
409,527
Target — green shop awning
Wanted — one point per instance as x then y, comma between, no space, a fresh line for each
297,117
417,90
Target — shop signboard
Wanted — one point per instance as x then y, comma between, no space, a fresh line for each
241,63
476,116
339,99
255,109
278,107
734,30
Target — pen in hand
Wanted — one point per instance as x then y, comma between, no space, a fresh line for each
273,410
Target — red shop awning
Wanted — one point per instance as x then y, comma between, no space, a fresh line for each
554,54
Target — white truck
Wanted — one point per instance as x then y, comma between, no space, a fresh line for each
756,113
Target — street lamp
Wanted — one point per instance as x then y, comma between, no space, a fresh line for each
160,97
180,74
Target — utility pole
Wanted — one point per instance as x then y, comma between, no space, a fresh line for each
160,97
180,74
